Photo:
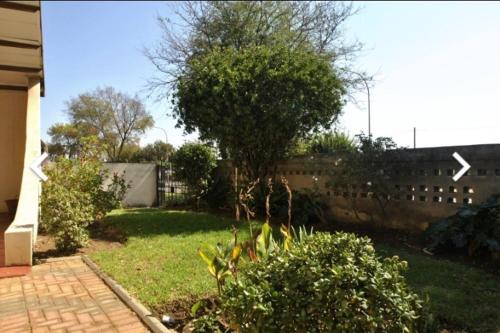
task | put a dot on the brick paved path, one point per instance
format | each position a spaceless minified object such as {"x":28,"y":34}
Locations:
{"x":63,"y":296}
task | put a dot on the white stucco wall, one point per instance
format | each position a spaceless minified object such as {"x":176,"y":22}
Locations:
{"x":142,"y":180}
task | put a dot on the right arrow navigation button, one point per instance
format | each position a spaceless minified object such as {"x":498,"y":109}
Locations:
{"x":465,"y":166}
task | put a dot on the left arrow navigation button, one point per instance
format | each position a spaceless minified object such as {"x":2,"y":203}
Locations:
{"x":35,"y":167}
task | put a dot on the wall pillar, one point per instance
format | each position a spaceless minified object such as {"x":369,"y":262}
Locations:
{"x":21,"y":234}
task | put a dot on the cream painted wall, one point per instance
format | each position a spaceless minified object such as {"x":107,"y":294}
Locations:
{"x":142,"y":180}
{"x":12,"y":142}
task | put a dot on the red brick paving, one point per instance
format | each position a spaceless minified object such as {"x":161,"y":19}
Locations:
{"x":12,"y":271}
{"x":63,"y":296}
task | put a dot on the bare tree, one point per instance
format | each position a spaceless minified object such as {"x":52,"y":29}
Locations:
{"x":200,"y":27}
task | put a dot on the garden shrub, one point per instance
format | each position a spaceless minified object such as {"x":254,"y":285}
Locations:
{"x":325,"y":283}
{"x":73,"y":197}
{"x":207,"y":323}
{"x":474,"y":228}
{"x":193,"y":164}
{"x":220,"y":192}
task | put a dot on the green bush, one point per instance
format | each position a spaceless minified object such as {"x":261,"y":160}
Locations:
{"x":207,"y":323}
{"x":73,"y":197}
{"x":220,"y":193}
{"x":193,"y":164}
{"x":474,"y":228}
{"x":325,"y":283}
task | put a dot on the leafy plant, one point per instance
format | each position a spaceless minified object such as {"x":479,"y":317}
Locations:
{"x":324,"y":283}
{"x":73,"y":197}
{"x":331,"y":143}
{"x":193,"y":164}
{"x":219,"y":193}
{"x":474,"y":228}
{"x":222,"y":261}
{"x":207,"y":323}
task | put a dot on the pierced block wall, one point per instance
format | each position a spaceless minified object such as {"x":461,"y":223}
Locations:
{"x":425,"y":190}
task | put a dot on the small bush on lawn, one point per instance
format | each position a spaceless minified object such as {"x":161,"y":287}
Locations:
{"x":73,"y":197}
{"x":193,"y":164}
{"x":325,"y":283}
{"x":474,"y":228}
{"x":220,"y":193}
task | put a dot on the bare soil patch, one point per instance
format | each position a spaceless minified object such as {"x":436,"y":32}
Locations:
{"x":102,"y":238}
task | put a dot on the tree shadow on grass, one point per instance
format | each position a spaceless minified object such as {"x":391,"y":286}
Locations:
{"x":151,"y":221}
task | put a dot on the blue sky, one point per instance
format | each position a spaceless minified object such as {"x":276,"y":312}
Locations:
{"x":437,"y":66}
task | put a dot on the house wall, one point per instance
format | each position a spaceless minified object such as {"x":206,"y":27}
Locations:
{"x":12,"y":142}
{"x":426,"y":189}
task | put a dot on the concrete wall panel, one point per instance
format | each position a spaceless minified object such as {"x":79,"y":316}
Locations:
{"x":142,"y":180}
{"x":427,"y":193}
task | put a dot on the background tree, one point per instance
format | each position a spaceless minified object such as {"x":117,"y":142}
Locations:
{"x":268,"y":61}
{"x":65,"y":140}
{"x":116,"y":118}
{"x":323,"y":143}
{"x":193,"y":163}
{"x":254,"y":102}
{"x":331,"y":143}
{"x":158,"y":151}
{"x":128,"y":153}
{"x":203,"y":26}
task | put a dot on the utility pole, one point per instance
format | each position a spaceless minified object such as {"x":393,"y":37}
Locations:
{"x":414,"y":137}
{"x":166,"y":157}
{"x":368,"y":95}
{"x":164,"y":132}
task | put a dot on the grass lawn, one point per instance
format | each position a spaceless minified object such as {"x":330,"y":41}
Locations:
{"x":463,"y":296}
{"x":159,"y":262}
{"x":159,"y":265}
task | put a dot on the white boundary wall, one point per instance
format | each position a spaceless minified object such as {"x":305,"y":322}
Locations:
{"x":142,"y":180}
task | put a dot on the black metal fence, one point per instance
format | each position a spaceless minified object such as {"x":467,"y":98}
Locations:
{"x":170,"y":191}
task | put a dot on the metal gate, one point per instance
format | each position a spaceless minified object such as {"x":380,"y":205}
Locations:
{"x":170,"y":191}
{"x":160,"y":185}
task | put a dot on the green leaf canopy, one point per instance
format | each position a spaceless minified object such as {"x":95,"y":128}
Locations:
{"x":255,"y":101}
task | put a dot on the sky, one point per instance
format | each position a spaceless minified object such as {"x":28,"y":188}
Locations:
{"x":436,"y":66}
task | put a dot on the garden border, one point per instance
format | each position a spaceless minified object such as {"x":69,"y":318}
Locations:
{"x":142,"y":312}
